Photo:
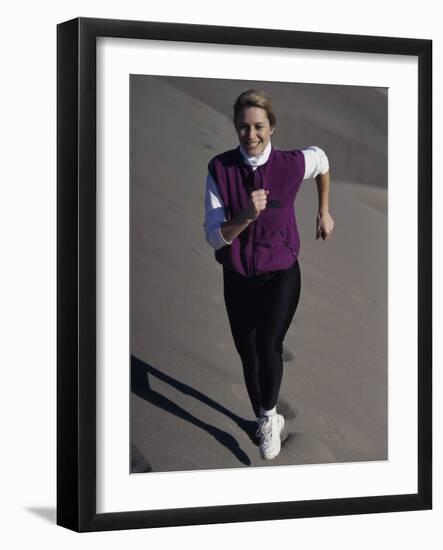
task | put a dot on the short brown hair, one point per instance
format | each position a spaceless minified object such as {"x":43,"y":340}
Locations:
{"x":255,"y":98}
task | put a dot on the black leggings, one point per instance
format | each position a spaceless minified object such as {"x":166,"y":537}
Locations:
{"x":260,"y":310}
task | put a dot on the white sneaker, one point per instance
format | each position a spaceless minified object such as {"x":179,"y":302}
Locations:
{"x":268,"y":431}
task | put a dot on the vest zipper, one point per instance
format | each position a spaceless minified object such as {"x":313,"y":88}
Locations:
{"x":254,"y":263}
{"x":254,"y":259}
{"x":254,"y":229}
{"x":254,"y":248}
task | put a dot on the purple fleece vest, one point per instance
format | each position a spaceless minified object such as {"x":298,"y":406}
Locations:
{"x":272,"y":242}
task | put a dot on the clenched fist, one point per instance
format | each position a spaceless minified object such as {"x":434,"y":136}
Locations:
{"x":325,"y":225}
{"x":257,"y":203}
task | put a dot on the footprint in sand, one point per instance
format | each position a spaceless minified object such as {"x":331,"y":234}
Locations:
{"x":289,"y":411}
{"x":307,"y":449}
{"x":287,"y":355}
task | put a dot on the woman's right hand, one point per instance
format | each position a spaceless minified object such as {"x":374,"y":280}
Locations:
{"x":257,"y":203}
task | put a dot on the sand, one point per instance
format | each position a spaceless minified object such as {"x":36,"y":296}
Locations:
{"x":189,"y":407}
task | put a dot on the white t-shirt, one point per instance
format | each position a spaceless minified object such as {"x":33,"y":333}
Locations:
{"x":316,"y":162}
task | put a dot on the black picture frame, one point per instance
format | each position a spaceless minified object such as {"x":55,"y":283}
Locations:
{"x":76,"y":273}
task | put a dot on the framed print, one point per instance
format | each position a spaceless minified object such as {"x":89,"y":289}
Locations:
{"x":222,"y":355}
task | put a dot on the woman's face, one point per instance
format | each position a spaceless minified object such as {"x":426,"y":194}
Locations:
{"x":253,"y":130}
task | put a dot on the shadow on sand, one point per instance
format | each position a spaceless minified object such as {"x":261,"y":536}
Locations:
{"x":140,"y":372}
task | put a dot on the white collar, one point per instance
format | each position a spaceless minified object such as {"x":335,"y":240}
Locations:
{"x":259,"y":159}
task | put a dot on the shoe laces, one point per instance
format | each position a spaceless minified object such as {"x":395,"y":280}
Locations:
{"x":264,"y":428}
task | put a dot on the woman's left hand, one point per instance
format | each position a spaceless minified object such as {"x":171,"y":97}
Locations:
{"x":325,"y":225}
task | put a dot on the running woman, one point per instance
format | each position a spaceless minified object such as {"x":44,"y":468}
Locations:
{"x":250,"y":223}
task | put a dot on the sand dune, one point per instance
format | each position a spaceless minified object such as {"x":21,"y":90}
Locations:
{"x":189,"y":408}
{"x":350,"y":122}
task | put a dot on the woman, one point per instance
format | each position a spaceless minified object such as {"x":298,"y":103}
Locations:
{"x":250,"y":222}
